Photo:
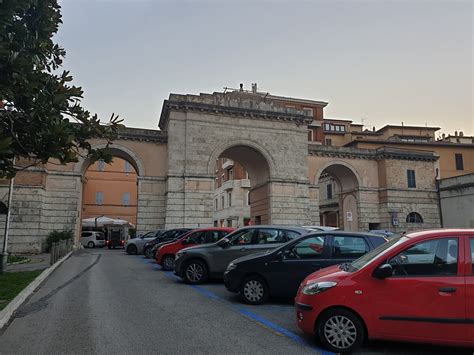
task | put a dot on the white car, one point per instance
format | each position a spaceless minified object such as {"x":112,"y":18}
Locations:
{"x":135,"y":246}
{"x":92,"y":239}
{"x":320,"y":228}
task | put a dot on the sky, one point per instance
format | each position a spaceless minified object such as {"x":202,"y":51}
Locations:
{"x":375,"y":62}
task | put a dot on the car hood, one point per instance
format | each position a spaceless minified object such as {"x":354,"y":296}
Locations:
{"x":252,"y":256}
{"x":331,"y":273}
{"x":198,"y":248}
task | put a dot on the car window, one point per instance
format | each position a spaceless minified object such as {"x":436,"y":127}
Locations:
{"x":430,"y":258}
{"x":195,"y":238}
{"x":222,"y":234}
{"x":345,"y":246}
{"x":290,"y":235}
{"x":309,"y":248}
{"x":86,"y":234}
{"x":271,"y":236}
{"x":242,"y":237}
{"x":472,"y":253}
{"x":212,"y":236}
{"x":99,"y":236}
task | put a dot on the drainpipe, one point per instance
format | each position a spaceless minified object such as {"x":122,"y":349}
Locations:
{"x":438,"y":193}
{"x":4,"y":255}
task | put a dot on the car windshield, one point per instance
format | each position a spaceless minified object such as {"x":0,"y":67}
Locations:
{"x":380,"y":250}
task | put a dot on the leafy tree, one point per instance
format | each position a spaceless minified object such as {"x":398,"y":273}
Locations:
{"x":41,"y":117}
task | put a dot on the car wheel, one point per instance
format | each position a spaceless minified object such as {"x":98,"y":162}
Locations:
{"x":132,"y":249}
{"x":340,"y":330}
{"x":168,"y":262}
{"x":254,"y":290}
{"x":148,"y":252}
{"x":90,"y":245}
{"x":195,"y":272}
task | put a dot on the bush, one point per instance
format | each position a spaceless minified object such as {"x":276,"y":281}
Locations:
{"x":56,"y":236}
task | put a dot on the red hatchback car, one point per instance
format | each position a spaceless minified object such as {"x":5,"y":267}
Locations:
{"x":165,"y":255}
{"x":417,"y":287}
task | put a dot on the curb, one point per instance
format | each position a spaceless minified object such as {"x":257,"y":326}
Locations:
{"x":15,"y":303}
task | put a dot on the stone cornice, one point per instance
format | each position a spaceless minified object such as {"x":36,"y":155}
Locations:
{"x":141,"y":134}
{"x":371,"y":154}
{"x":239,"y":108}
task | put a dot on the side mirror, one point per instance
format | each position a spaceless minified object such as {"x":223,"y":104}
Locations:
{"x":383,"y":271}
{"x":280,"y":255}
{"x":223,"y":243}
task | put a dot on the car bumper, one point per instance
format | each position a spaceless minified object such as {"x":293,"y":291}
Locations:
{"x":233,"y":280}
{"x":307,"y":311}
{"x":179,"y":267}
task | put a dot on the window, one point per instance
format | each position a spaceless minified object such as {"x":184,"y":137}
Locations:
{"x":308,"y":112}
{"x":328,"y":141}
{"x":217,"y":201}
{"x":229,"y":201}
{"x":349,"y":247}
{"x":243,"y":237}
{"x":472,"y":253}
{"x":329,"y":191}
{"x":99,"y":198}
{"x":229,"y":222}
{"x":223,"y":178}
{"x":270,"y":236}
{"x":222,"y":201}
{"x":248,"y":198}
{"x":86,"y":234}
{"x":411,"y":178}
{"x":310,"y":248}
{"x":414,"y":217}
{"x":126,"y":198}
{"x":195,"y":238}
{"x":101,"y":165}
{"x":310,"y":135}
{"x":431,"y":258}
{"x":459,"y":162}
{"x":327,"y":127}
{"x":128,"y":167}
{"x":231,"y":174}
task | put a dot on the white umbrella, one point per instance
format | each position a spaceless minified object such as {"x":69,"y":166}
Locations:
{"x":105,"y":221}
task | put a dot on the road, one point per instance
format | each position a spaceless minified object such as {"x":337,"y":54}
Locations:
{"x":103,"y":301}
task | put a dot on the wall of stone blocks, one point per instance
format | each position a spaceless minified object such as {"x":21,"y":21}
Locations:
{"x":151,"y":211}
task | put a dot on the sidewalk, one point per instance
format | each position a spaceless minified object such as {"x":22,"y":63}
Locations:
{"x":38,"y":262}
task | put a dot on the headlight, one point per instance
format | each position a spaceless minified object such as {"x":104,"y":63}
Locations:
{"x":231,"y":266}
{"x":179,"y":254}
{"x":318,"y":287}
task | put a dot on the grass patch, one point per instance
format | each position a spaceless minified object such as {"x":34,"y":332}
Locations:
{"x":12,"y":283}
{"x":15,"y":259}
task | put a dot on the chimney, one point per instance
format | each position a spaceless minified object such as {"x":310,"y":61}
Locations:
{"x":241,"y":87}
{"x":373,"y":128}
{"x":455,"y":133}
{"x":254,"y":88}
{"x":461,"y":134}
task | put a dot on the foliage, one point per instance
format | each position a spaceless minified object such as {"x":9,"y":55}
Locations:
{"x":41,"y":117}
{"x":56,"y":236}
{"x":16,"y":258}
{"x":12,"y":283}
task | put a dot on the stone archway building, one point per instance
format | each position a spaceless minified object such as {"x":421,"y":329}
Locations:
{"x":176,"y":167}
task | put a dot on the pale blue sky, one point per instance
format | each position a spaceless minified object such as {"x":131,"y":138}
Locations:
{"x":384,"y":61}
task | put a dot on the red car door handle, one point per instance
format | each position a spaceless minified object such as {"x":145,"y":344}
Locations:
{"x":447,"y":289}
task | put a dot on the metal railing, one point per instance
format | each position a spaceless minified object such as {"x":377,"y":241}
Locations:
{"x":59,"y":249}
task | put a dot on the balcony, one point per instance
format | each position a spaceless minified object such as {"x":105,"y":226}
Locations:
{"x":227,"y":164}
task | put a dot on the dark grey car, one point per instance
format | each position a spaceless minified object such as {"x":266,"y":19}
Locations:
{"x":196,"y":264}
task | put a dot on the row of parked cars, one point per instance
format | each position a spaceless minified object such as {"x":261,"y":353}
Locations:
{"x":347,"y":286}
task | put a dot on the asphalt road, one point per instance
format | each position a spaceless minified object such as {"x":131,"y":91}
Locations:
{"x":104,"y":301}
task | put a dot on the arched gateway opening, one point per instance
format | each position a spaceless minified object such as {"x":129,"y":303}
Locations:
{"x":241,"y":191}
{"x":338,"y":196}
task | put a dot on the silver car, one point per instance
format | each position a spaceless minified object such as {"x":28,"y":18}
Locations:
{"x":135,"y":246}
{"x":92,"y":239}
{"x":196,"y":264}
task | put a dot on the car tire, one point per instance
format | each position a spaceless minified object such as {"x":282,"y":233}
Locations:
{"x":195,"y":272}
{"x":340,"y":330}
{"x":132,"y":249}
{"x":90,"y":245}
{"x":148,"y":252}
{"x":167,"y":263}
{"x":254,"y":290}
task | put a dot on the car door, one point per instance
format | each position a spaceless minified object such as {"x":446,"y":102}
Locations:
{"x":85,"y":238}
{"x":240,"y":245}
{"x":470,"y":289}
{"x":424,"y":299}
{"x":285,"y":273}
{"x":346,"y":248}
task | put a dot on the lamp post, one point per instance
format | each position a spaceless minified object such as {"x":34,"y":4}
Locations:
{"x":4,"y":254}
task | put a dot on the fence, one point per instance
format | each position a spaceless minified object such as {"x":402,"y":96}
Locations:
{"x":59,"y":249}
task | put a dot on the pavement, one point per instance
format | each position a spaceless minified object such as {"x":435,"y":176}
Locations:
{"x":38,"y":262}
{"x":102,"y":301}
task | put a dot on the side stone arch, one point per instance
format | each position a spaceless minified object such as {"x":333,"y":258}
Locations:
{"x":116,"y":150}
{"x":334,"y":163}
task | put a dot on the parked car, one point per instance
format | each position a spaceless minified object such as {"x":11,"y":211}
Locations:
{"x":166,"y":236}
{"x":92,"y":239}
{"x":165,"y":255}
{"x":135,"y":246}
{"x":417,"y":287}
{"x":279,"y":273}
{"x":320,"y":228}
{"x":196,"y":264}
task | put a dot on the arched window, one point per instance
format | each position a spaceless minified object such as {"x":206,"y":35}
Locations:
{"x":414,"y":217}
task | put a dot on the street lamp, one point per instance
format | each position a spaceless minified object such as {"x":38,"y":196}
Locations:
{"x":4,"y":254}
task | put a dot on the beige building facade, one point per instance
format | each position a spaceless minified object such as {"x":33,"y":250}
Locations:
{"x":385,"y":188}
